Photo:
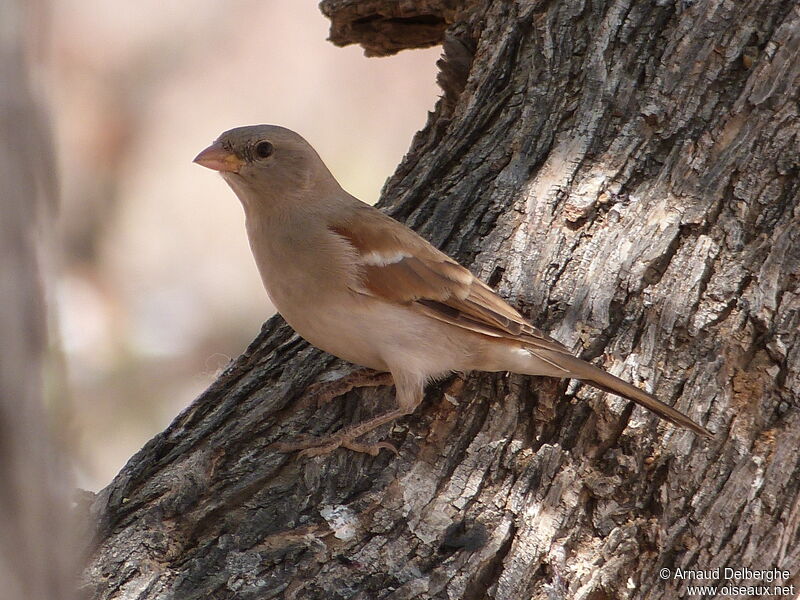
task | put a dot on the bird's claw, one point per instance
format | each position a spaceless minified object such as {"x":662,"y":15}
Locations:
{"x":315,"y":446}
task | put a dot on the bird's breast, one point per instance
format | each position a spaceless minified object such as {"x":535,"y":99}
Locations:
{"x":309,"y":276}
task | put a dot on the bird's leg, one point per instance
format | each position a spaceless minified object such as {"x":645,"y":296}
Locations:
{"x":409,"y":395}
{"x":346,"y":438}
{"x":325,"y":391}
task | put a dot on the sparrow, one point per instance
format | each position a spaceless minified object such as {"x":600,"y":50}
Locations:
{"x":360,"y":285}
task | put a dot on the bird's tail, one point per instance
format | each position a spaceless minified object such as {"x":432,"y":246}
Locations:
{"x":583,"y":371}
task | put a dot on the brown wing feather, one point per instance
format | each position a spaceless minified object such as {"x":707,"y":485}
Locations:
{"x":431,"y":282}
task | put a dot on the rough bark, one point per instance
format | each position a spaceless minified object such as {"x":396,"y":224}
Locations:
{"x":626,"y":173}
{"x":383,"y":28}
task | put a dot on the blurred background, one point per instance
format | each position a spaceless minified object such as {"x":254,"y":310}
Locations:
{"x":157,"y":290}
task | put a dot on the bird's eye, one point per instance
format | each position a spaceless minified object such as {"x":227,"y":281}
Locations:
{"x":263,"y":149}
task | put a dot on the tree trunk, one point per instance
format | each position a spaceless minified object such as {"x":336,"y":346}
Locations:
{"x":625,"y":173}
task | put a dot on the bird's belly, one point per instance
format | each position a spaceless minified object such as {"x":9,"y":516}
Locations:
{"x":381,"y":336}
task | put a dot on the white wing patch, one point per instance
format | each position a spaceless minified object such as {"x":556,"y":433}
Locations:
{"x":377,"y":259}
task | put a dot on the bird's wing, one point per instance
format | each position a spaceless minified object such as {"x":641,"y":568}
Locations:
{"x":399,"y":266}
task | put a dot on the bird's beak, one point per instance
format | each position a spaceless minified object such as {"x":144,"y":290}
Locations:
{"x":217,"y":158}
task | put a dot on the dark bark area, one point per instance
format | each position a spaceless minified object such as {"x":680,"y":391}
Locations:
{"x":384,"y":28}
{"x":626,"y":174}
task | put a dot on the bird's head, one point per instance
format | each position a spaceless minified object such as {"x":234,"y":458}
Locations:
{"x":266,"y":164}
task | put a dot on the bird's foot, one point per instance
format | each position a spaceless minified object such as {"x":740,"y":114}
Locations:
{"x":323,"y":392}
{"x":311,"y":446}
{"x":346,"y":438}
